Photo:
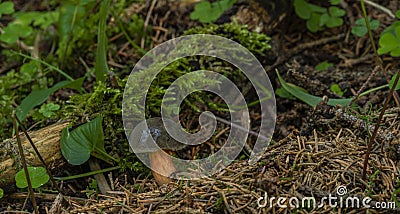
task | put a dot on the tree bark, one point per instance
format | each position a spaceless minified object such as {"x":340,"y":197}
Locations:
{"x":46,"y":140}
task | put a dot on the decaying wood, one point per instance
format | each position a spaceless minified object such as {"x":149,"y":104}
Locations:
{"x":47,"y":141}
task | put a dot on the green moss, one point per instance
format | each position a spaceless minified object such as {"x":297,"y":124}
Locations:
{"x":257,"y":43}
{"x":107,"y":101}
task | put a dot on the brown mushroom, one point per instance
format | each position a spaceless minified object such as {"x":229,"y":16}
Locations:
{"x":155,"y":141}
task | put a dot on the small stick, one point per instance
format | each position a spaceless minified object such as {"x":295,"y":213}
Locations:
{"x":372,"y":139}
{"x":23,"y":161}
{"x":38,"y":154}
{"x":373,"y":73}
{"x":380,"y":7}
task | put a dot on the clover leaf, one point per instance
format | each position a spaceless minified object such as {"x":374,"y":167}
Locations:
{"x":390,"y":42}
{"x":313,"y":23}
{"x":360,"y":28}
{"x":305,"y":10}
{"x":323,"y":66}
{"x":317,"y":17}
{"x":48,"y":110}
{"x":332,"y":19}
{"x":6,"y":8}
{"x":14,"y":31}
{"x":38,"y":176}
{"x":335,"y":88}
{"x":207,"y":12}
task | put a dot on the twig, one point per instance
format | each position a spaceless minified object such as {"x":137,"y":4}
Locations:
{"x":101,"y":180}
{"x":23,"y":161}
{"x":380,"y":7}
{"x":39,"y":155}
{"x":372,"y":139}
{"x":373,"y":73}
{"x":146,"y":21}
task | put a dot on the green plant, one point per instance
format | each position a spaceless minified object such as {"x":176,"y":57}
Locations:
{"x":389,"y":40}
{"x":335,"y":88}
{"x":371,"y":182}
{"x":1,"y":193}
{"x":47,"y":110}
{"x":207,"y":12}
{"x":323,"y":66}
{"x":38,"y":177}
{"x":38,"y":97}
{"x":92,"y":189}
{"x":360,"y":28}
{"x":317,"y":17}
{"x":308,"y":98}
{"x":86,"y":140}
{"x":22,"y":25}
{"x":77,"y":27}
{"x":281,"y":92}
{"x":312,"y":100}
{"x":391,"y":83}
{"x":101,"y":66}
{"x":6,"y":8}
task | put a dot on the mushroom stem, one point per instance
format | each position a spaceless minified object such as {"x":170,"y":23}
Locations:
{"x":161,"y":164}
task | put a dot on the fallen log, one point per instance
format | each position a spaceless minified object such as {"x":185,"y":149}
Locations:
{"x":46,"y":140}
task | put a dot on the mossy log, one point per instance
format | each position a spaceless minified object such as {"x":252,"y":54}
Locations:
{"x":46,"y":140}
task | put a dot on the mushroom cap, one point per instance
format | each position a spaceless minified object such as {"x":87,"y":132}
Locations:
{"x":155,"y":137}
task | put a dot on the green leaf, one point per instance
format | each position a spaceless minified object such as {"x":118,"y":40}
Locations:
{"x":14,"y":31}
{"x":1,"y":192}
{"x":313,"y":23}
{"x":323,"y":66}
{"x":335,"y":88}
{"x":336,"y":12}
{"x":374,"y":24}
{"x":76,"y":84}
{"x":335,"y":2}
{"x":332,"y":19}
{"x":284,"y":94}
{"x":38,"y":176}
{"x":46,"y":19}
{"x":391,"y":83}
{"x":38,"y":97}
{"x":360,"y":27}
{"x":68,"y":10}
{"x":301,"y":8}
{"x":206,"y":12}
{"x":6,"y":8}
{"x":323,"y":19}
{"x":308,"y":98}
{"x":26,"y":18}
{"x":47,"y":110}
{"x":334,"y":22}
{"x":398,"y":14}
{"x":316,"y":8}
{"x":101,"y":66}
{"x":390,"y":42}
{"x":76,"y":146}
